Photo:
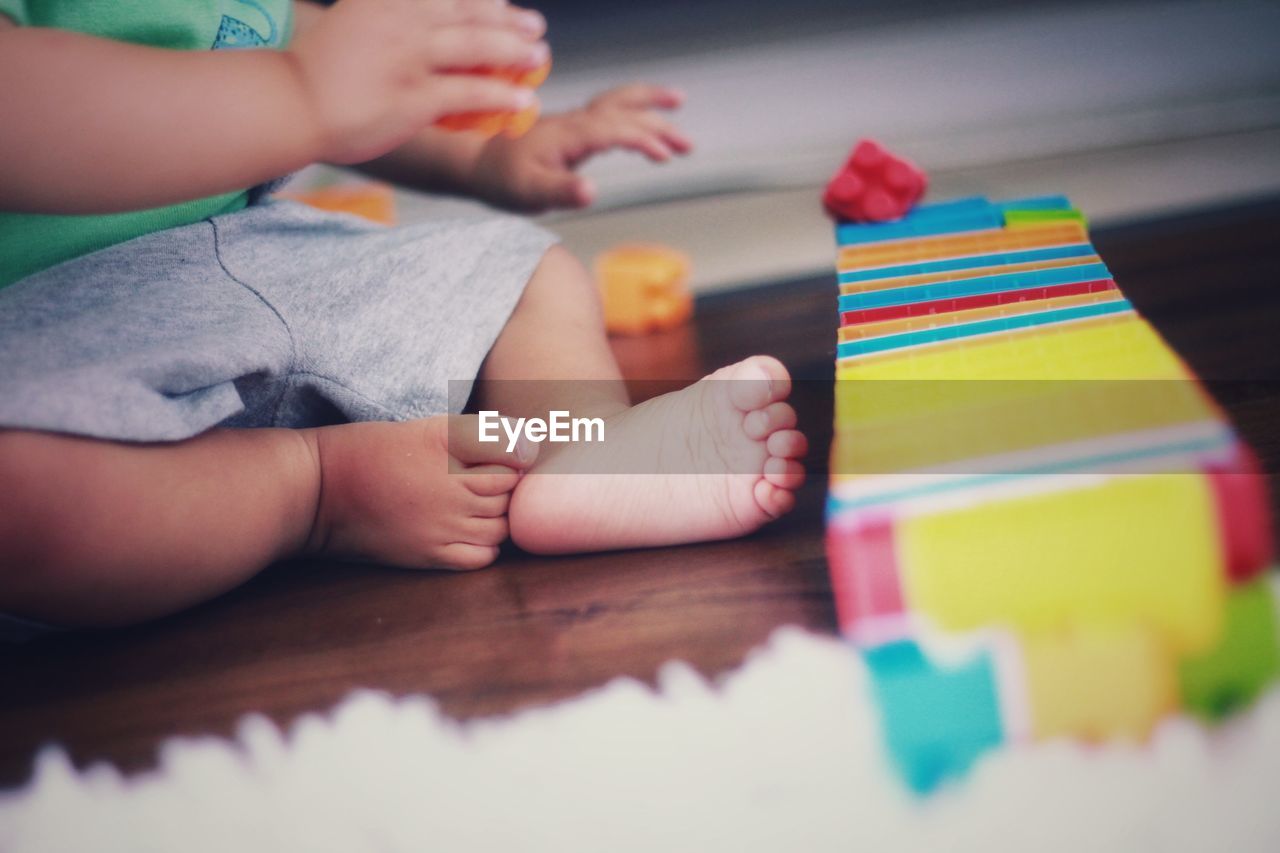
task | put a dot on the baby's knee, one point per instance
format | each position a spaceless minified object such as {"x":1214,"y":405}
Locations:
{"x":561,"y":275}
{"x":560,"y":291}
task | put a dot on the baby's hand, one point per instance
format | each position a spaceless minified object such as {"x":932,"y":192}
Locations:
{"x":411,"y":494}
{"x":375,"y":72}
{"x":536,"y":171}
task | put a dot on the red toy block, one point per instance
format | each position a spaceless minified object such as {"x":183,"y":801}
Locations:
{"x":1244,"y":522}
{"x":962,"y":303}
{"x":874,"y":185}
{"x":864,"y":572}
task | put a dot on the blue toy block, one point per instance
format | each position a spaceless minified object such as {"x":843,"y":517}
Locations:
{"x":937,"y":721}
{"x":950,"y":209}
{"x":934,"y":224}
{"x":973,"y":213}
{"x":964,"y":205}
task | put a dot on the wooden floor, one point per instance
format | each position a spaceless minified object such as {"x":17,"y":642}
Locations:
{"x":530,"y":629}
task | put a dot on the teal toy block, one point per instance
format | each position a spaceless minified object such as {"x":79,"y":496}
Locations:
{"x":937,"y":721}
{"x":973,"y":213}
{"x":1039,"y":202}
{"x":932,"y":220}
{"x":983,"y":327}
{"x":1049,"y":253}
{"x":954,"y":209}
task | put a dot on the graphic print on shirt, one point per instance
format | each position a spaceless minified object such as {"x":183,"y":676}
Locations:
{"x":235,"y":33}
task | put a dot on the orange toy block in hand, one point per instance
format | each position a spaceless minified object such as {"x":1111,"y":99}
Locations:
{"x":645,"y":288}
{"x":491,"y":124}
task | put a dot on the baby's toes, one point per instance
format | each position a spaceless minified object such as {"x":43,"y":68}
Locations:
{"x":485,"y":531}
{"x":762,"y":423}
{"x":757,"y":382}
{"x":464,"y":556}
{"x":773,"y":500}
{"x":489,"y":480}
{"x":489,"y":506}
{"x":783,"y":473}
{"x":787,"y":444}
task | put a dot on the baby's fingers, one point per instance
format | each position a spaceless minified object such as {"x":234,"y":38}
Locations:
{"x":493,"y":13}
{"x":670,"y":135}
{"x":636,"y":134}
{"x":648,"y":144}
{"x":606,"y":134}
{"x":551,"y":187}
{"x":464,"y":47}
{"x":639,"y":96}
{"x":449,"y":94}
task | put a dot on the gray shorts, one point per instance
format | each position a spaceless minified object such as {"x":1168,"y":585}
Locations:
{"x":279,"y":315}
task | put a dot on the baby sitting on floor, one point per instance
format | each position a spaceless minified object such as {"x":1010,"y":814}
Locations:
{"x":197,"y":380}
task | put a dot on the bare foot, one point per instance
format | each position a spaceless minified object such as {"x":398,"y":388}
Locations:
{"x":405,"y":494}
{"x":720,"y":460}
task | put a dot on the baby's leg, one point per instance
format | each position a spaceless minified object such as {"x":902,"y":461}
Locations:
{"x":104,"y":533}
{"x":101,"y":533}
{"x":555,"y":333}
{"x":712,"y":461}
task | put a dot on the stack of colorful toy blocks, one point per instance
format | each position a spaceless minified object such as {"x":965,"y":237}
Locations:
{"x":1039,"y":524}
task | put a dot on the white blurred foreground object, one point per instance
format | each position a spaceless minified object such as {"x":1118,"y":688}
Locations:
{"x":783,"y":754}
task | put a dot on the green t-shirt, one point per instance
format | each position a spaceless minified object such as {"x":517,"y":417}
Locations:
{"x":32,"y":242}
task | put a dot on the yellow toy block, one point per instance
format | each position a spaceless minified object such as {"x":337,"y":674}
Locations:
{"x":913,"y":426}
{"x":1043,"y":432}
{"x":1098,"y":684}
{"x":1129,"y":550}
{"x":991,"y":396}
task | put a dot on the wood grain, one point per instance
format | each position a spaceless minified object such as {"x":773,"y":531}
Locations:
{"x":530,"y":630}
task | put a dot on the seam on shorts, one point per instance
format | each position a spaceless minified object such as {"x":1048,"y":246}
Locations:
{"x":293,"y":343}
{"x":293,"y":347}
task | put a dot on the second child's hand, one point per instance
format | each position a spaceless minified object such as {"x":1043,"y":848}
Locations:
{"x":538,"y":171}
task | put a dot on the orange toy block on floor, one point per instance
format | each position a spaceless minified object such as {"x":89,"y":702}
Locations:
{"x":645,"y":288}
{"x":491,"y":124}
{"x":874,"y":185}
